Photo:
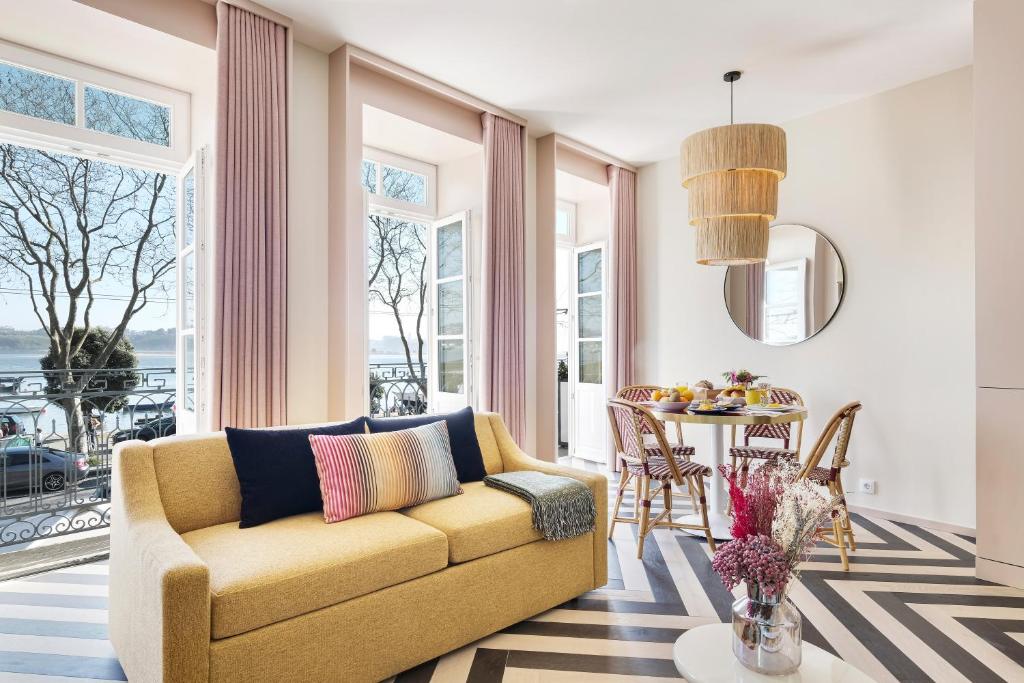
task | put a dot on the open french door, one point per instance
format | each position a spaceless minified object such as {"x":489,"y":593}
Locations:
{"x":588,"y":439}
{"x":449,"y":373}
{"x":192,"y":220}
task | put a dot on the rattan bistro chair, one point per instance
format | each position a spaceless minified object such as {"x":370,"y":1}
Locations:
{"x":651,"y":469}
{"x":638,"y":393}
{"x":839,"y":427}
{"x":743,"y":455}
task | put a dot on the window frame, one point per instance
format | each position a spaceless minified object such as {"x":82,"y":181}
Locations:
{"x":81,"y":141}
{"x":190,"y":420}
{"x":382,"y":201}
{"x":468,"y":394}
{"x":575,"y":337}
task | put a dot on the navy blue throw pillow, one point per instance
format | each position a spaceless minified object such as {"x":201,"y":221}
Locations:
{"x":277,"y":472}
{"x":469,"y":461}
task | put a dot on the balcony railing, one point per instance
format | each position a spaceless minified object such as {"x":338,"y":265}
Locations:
{"x":395,"y":390}
{"x":57,"y":431}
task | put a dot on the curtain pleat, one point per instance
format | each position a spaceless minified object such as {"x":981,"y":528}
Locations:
{"x":504,"y":345}
{"x":622,"y":185}
{"x":250,"y":262}
{"x":623,"y":331}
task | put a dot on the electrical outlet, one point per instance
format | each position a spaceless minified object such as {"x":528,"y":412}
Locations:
{"x":866,"y":486}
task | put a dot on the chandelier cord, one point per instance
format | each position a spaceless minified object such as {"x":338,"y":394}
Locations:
{"x":731,"y":122}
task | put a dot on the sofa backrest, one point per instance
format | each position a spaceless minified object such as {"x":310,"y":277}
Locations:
{"x":198,"y":486}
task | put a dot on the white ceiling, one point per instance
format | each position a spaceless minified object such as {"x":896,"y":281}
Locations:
{"x":633,"y":78}
{"x":398,"y":135}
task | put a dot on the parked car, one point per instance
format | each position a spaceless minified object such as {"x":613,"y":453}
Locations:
{"x":39,"y":467}
{"x":11,"y":426}
{"x":161,"y":426}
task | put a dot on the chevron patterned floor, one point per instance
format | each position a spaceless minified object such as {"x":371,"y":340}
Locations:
{"x":910,"y":609}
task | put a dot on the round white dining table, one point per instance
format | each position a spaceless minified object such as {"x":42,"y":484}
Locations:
{"x":717,"y":497}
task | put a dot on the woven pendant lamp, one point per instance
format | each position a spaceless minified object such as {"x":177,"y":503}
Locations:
{"x":732,"y":175}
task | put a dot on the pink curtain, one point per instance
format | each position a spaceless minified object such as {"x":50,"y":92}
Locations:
{"x":755,"y":300}
{"x":250,"y":263}
{"x":504,"y":344}
{"x":623,"y":330}
{"x":622,"y":184}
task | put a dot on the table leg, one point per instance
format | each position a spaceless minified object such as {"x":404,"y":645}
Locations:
{"x":715,"y":489}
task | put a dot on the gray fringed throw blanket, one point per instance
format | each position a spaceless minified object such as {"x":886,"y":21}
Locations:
{"x":562,"y":507}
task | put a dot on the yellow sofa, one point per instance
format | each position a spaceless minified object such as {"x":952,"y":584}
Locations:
{"x":195,"y":598}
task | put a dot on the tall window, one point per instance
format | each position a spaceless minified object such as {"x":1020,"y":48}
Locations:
{"x":418,"y":287}
{"x":400,"y":211}
{"x":89,"y":193}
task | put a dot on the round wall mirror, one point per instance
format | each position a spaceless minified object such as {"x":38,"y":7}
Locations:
{"x":792,"y":295}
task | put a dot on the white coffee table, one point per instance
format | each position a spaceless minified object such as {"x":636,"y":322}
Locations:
{"x":704,"y":655}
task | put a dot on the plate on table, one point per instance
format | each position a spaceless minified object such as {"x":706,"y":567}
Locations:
{"x":718,"y":409}
{"x":773,"y":408}
{"x":668,"y":406}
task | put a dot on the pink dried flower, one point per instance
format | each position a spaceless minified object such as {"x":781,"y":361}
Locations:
{"x":755,"y":559}
{"x":776,"y":515}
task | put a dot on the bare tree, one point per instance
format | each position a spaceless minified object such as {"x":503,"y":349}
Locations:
{"x":398,"y":281}
{"x":398,"y":264}
{"x":75,"y":231}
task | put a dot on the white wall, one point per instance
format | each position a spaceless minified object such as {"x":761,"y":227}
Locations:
{"x":307,"y":238}
{"x":889,"y":179}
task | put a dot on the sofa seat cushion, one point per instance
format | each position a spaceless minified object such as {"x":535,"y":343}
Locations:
{"x":292,"y":566}
{"x":480,"y":522}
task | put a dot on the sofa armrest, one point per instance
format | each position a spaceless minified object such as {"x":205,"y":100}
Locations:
{"x":514,"y":459}
{"x":159,"y":587}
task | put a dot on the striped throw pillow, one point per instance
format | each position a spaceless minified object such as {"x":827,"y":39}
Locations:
{"x":364,"y":473}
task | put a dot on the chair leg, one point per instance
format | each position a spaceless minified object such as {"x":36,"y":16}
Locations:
{"x":849,"y":530}
{"x":623,"y":483}
{"x":693,"y":495}
{"x":645,"y":516}
{"x":704,"y":511}
{"x":666,"y":490}
{"x":837,"y":530}
{"x":636,"y":497}
{"x":847,"y":522}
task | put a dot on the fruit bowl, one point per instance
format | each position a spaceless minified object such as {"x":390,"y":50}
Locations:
{"x":670,"y":406}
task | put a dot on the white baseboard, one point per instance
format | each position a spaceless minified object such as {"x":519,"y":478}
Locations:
{"x":908,"y":519}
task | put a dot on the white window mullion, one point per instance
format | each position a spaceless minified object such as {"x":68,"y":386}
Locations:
{"x":79,"y":104}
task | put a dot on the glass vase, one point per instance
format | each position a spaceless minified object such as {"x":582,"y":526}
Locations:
{"x":766,"y":634}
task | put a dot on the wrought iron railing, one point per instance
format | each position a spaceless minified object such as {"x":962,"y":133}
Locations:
{"x":395,"y":389}
{"x":57,"y":432}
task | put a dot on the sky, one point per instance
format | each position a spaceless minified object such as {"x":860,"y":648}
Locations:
{"x":16,"y":312}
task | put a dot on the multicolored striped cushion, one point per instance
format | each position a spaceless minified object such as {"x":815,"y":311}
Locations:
{"x":364,"y":473}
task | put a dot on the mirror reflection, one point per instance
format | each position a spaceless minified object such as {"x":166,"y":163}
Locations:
{"x":792,"y":295}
